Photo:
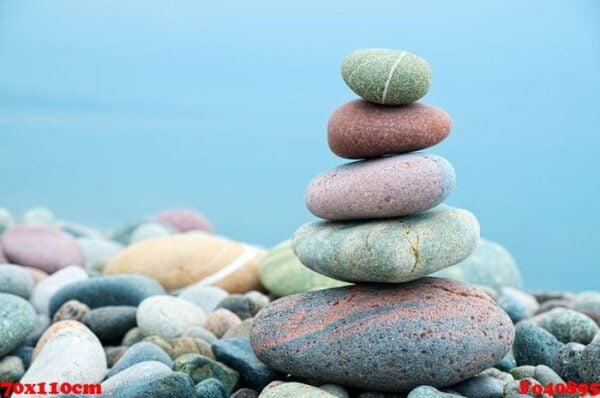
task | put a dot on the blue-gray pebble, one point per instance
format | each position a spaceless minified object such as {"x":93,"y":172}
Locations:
{"x":480,"y":387}
{"x":141,"y":352}
{"x":111,"y":323}
{"x":210,"y":388}
{"x":175,"y":385}
{"x":534,"y":345}
{"x":566,"y":361}
{"x":17,"y":319}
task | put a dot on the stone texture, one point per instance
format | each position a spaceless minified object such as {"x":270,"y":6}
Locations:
{"x":174,"y":385}
{"x":16,"y":280}
{"x":534,"y":345}
{"x":566,"y":361}
{"x":220,"y":321}
{"x":295,"y":390}
{"x":168,"y":316}
{"x":140,"y":373}
{"x":390,"y":186}
{"x":384,"y":337}
{"x":71,"y":310}
{"x":180,"y":260}
{"x":46,"y":248}
{"x":11,"y":369}
{"x":97,"y":252}
{"x":360,"y":129}
{"x":184,"y":220}
{"x":567,"y":325}
{"x":211,"y":388}
{"x":589,"y":364}
{"x":480,"y":387}
{"x":200,"y":368}
{"x":395,"y":250}
{"x":517,"y":304}
{"x":205,"y":297}
{"x":384,"y":76}
{"x":141,"y":352}
{"x":45,"y":289}
{"x":111,"y":323}
{"x":17,"y":319}
{"x":181,"y":346}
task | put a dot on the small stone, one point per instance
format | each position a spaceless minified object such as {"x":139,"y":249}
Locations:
{"x":97,"y":252}
{"x":238,"y":355}
{"x":513,"y":389}
{"x":149,"y":230}
{"x":205,"y":297}
{"x":25,"y":353}
{"x":498,"y":374}
{"x":258,"y":300}
{"x":110,"y":323}
{"x":506,"y":364}
{"x":39,"y":216}
{"x":140,"y":373}
{"x":335,"y":390}
{"x":480,"y":387}
{"x":200,"y":368}
{"x":295,"y":390}
{"x":71,"y":310}
{"x":46,"y":248}
{"x":523,"y":372}
{"x":221,"y":321}
{"x":552,"y":304}
{"x":386,"y":187}
{"x":589,"y":364}
{"x":534,"y":345}
{"x":211,"y":388}
{"x":16,"y":280}
{"x":11,"y":369}
{"x":37,"y":274}
{"x":388,"y":77}
{"x":168,"y":316}
{"x":589,"y":304}
{"x":566,"y":361}
{"x":134,"y":335}
{"x":174,"y":385}
{"x":567,"y":325}
{"x":184,"y":220}
{"x":238,"y":304}
{"x":45,"y":289}
{"x":201,"y":333}
{"x":181,"y":346}
{"x":113,"y":354}
{"x":141,"y":352}
{"x":429,"y":392}
{"x":17,"y":320}
{"x":245,"y":393}
{"x":241,"y":330}
{"x":517,"y":304}
{"x":547,"y":376}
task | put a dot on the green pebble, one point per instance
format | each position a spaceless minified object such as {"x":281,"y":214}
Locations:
{"x":17,"y":319}
{"x":200,"y":368}
{"x":210,"y":388}
{"x":523,"y":372}
{"x":388,"y":77}
{"x":568,"y":325}
{"x":175,"y":385}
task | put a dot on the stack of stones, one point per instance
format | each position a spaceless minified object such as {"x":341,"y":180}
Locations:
{"x":385,"y":230}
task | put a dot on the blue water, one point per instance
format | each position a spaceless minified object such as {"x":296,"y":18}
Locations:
{"x":111,"y":110}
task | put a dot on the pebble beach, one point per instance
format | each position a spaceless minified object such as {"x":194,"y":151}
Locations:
{"x":389,"y":293}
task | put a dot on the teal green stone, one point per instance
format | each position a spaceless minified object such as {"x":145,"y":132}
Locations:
{"x":295,"y":390}
{"x":387,"y":77}
{"x":17,"y":319}
{"x":568,"y":326}
{"x":491,"y":264}
{"x":200,"y":368}
{"x":429,"y":392}
{"x":283,"y":274}
{"x":210,"y":388}
{"x":390,"y":250}
{"x":175,"y":385}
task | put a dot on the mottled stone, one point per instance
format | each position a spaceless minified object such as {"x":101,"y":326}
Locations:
{"x":567,"y":325}
{"x":506,"y":364}
{"x":46,"y":248}
{"x":181,"y":346}
{"x":168,"y":316}
{"x":589,"y":363}
{"x":394,"y":250}
{"x":238,"y":355}
{"x":388,"y":77}
{"x":200,"y":368}
{"x":566,"y":361}
{"x":491,"y":264}
{"x":143,"y":372}
{"x":141,"y":352}
{"x":174,"y":385}
{"x":11,"y":369}
{"x":16,"y":280}
{"x":335,"y":390}
{"x":205,"y":297}
{"x":111,"y":323}
{"x":517,"y":304}
{"x":385,"y":187}
{"x":184,"y":220}
{"x":245,"y":393}
{"x":54,"y":329}
{"x":238,"y":304}
{"x":480,"y":387}
{"x":547,"y":376}
{"x":282,"y":273}
{"x":523,"y":372}
{"x":133,"y":335}
{"x":429,"y":392}
{"x":384,"y":337}
{"x":534,"y":345}
{"x":241,"y":330}
{"x":194,"y":258}
{"x":45,"y":289}
{"x":17,"y":319}
{"x":505,"y":377}
{"x":295,"y":390}
{"x":589,"y":304}
{"x":107,"y":290}
{"x":360,"y":129}
{"x":258,"y":300}
{"x":71,"y":310}
{"x":220,"y":321}
{"x":211,"y":388}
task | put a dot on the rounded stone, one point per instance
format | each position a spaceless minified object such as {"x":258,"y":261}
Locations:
{"x":335,"y":390}
{"x":11,"y":369}
{"x":395,"y":250}
{"x":201,"y":333}
{"x":16,"y":280}
{"x":205,"y":297}
{"x":566,"y":361}
{"x":143,"y":372}
{"x":589,"y":304}
{"x":194,"y":258}
{"x":200,"y":368}
{"x":360,"y":129}
{"x":184,"y":220}
{"x":110,"y":323}
{"x":17,"y":319}
{"x":98,"y":252}
{"x":384,"y":337}
{"x":534,"y":345}
{"x":480,"y":387}
{"x":46,"y":248}
{"x":39,"y":216}
{"x":518,"y":304}
{"x":211,"y":388}
{"x":429,"y":392}
{"x":174,"y":385}
{"x":490,"y":264}
{"x":168,"y":316}
{"x":258,"y":300}
{"x":181,"y":346}
{"x":71,"y":310}
{"x":589,"y":364}
{"x":567,"y":325}
{"x":141,"y":352}
{"x":106,"y":291}
{"x":245,"y":393}
{"x":282,"y":273}
{"x":388,"y":77}
{"x":45,"y":289}
{"x":220,"y":321}
{"x":241,"y":330}
{"x":149,"y":230}
{"x":296,"y":390}
{"x":390,"y":186}
{"x":114,"y":353}
{"x":238,"y":304}
{"x":134,"y":335}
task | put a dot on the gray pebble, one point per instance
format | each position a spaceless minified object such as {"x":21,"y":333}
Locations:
{"x":589,"y":365}
{"x":566,"y":361}
{"x":480,"y":387}
{"x":534,"y":345}
{"x":16,"y":280}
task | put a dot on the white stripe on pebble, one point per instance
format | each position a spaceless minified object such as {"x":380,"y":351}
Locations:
{"x":389,"y":79}
{"x":248,"y":254}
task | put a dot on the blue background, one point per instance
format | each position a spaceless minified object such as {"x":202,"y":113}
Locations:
{"x":110,"y":110}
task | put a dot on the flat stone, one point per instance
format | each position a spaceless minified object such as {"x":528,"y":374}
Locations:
{"x":140,"y":373}
{"x":174,"y":385}
{"x":45,"y":289}
{"x":16,"y":280}
{"x":384,"y":337}
{"x":394,"y":250}
{"x":111,"y":323}
{"x":141,"y":352}
{"x":168,"y":316}
{"x":360,"y":129}
{"x":17,"y":319}
{"x":385,"y":187}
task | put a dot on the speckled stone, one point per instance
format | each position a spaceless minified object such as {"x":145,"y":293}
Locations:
{"x":46,"y":248}
{"x":566,"y":361}
{"x":17,"y":319}
{"x":295,"y":390}
{"x":505,"y":377}
{"x":184,"y":220}
{"x":390,"y":186}
{"x":589,"y":364}
{"x":491,"y":264}
{"x":567,"y":325}
{"x":258,"y":301}
{"x":395,"y":250}
{"x":283,"y":274}
{"x":534,"y":345}
{"x":143,"y":372}
{"x":480,"y":387}
{"x":168,"y":316}
{"x":245,"y":393}
{"x":523,"y":372}
{"x":238,"y":355}
{"x":107,"y":290}
{"x":238,"y":304}
{"x":141,"y":352}
{"x":220,"y":321}
{"x":111,"y":323}
{"x":16,"y":280}
{"x":11,"y":368}
{"x":360,"y":129}
{"x":589,"y":304}
{"x":211,"y":388}
{"x":45,"y":289}
{"x":181,"y":346}
{"x":71,"y":310}
{"x":174,"y":385}
{"x":506,"y":364}
{"x":200,"y":368}
{"x":429,"y":392}
{"x":411,"y":331}
{"x":180,"y":260}
{"x":546,"y":376}
{"x":518,"y":304}
{"x":205,"y":297}
{"x":384,"y":76}
{"x":335,"y":390}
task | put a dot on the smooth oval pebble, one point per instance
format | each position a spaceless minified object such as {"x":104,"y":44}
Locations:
{"x":384,"y":337}
{"x":205,"y":297}
{"x":46,"y":248}
{"x":17,"y":319}
{"x":283,"y":274}
{"x":394,"y":250}
{"x":140,"y":352}
{"x":110,"y":323}
{"x":45,"y":289}
{"x":16,"y":280}
{"x":389,"y":77}
{"x":98,"y":252}
{"x":194,"y":258}
{"x":360,"y":129}
{"x":168,"y":316}
{"x":107,"y":290}
{"x":567,"y":325}
{"x":295,"y":390}
{"x":142,"y":372}
{"x":149,"y":230}
{"x":174,"y":385}
{"x":385,"y":187}
{"x":184,"y":220}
